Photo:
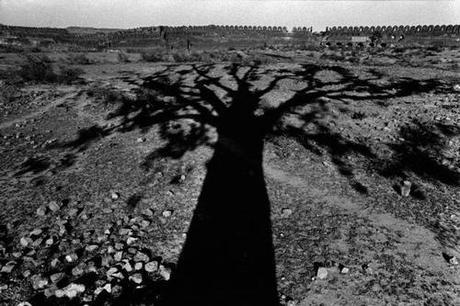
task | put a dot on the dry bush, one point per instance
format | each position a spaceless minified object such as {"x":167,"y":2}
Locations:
{"x":123,"y":57}
{"x":152,"y":56}
{"x":80,"y":59}
{"x":104,"y":94}
{"x":11,"y":49}
{"x":335,"y":56}
{"x":68,"y":75}
{"x":40,"y":69}
{"x":8,"y":92}
{"x":310,"y":47}
{"x":182,"y":57}
{"x":36,"y":50}
{"x":135,"y":50}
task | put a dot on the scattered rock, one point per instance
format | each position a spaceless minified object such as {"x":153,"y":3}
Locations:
{"x":71,"y":257}
{"x":91,"y":248}
{"x":8,"y":267}
{"x":106,"y":261}
{"x":71,"y":291}
{"x":107,"y":288}
{"x":118,"y":275}
{"x":367,"y":268}
{"x":36,"y":232}
{"x":111,"y":271}
{"x":49,"y":292}
{"x":145,"y":223}
{"x":165,"y":272}
{"x":114,"y":195}
{"x":140,"y":139}
{"x":54,"y":263}
{"x":117,"y":290}
{"x":124,"y":231}
{"x":151,"y":266}
{"x":53,"y":206}
{"x":136,"y":278}
{"x":24,"y":241}
{"x":39,"y":282}
{"x":26,"y":273}
{"x":344,"y":270}
{"x":452,"y":260}
{"x":78,"y":270}
{"x":405,"y":188}
{"x":286,"y":212}
{"x":138,"y":266}
{"x":321,"y":273}
{"x":128,"y":267}
{"x":118,"y":256}
{"x":166,"y":213}
{"x":132,"y":251}
{"x":456,"y":87}
{"x":49,"y":241}
{"x":56,"y":277}
{"x":141,"y":257}
{"x":291,"y":303}
{"x":148,"y":212}
{"x":41,"y":211}
{"x":72,"y":212}
{"x":131,"y":240}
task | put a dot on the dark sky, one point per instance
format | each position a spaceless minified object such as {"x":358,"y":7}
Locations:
{"x":134,"y":13}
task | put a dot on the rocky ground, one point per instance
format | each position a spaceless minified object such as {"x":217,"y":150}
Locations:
{"x":362,"y":173}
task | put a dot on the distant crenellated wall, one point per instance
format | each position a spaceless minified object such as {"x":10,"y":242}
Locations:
{"x":412,"y":30}
{"x":219,"y":30}
{"x":165,"y":35}
{"x":59,"y":35}
{"x":402,"y":34}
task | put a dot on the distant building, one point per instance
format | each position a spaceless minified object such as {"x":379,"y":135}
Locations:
{"x":360,"y":39}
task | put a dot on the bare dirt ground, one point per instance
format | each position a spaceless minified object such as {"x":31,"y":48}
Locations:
{"x":303,"y":160}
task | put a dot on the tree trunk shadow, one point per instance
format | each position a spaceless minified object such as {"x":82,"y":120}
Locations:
{"x":228,"y":256}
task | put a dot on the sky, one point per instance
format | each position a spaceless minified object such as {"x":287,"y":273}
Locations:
{"x":136,"y":13}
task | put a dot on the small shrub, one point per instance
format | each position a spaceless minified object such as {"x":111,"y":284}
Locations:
{"x":135,"y":50}
{"x":37,"y":69}
{"x":8,"y":92}
{"x":152,"y":56}
{"x":261,"y":60}
{"x":80,"y":59}
{"x":181,"y":57}
{"x":435,"y":48}
{"x":35,"y":50}
{"x":68,"y":75}
{"x":358,"y":115}
{"x":311,"y":47}
{"x":11,"y":49}
{"x":123,"y":57}
{"x":106,"y":95}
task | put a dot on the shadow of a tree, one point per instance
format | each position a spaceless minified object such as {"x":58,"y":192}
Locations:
{"x":420,"y":153}
{"x":228,"y":256}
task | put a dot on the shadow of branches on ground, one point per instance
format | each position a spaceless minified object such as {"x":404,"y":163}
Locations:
{"x":228,"y":256}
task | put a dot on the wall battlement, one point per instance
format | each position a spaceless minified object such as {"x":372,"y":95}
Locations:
{"x":154,"y":35}
{"x":404,"y":29}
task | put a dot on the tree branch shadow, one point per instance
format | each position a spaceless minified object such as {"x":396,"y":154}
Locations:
{"x":228,"y":256}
